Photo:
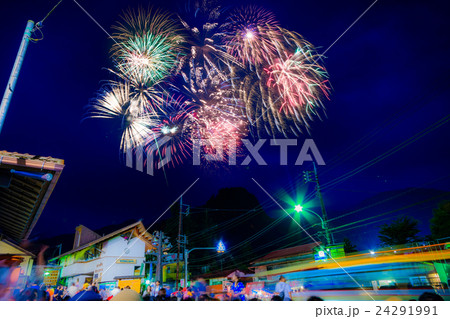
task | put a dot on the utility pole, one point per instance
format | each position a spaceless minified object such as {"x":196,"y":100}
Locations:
{"x":185,"y":261}
{"x":158,"y":276}
{"x":162,"y":244}
{"x":15,"y":72}
{"x":181,"y":242}
{"x":308,"y":178}
{"x":180,"y":220}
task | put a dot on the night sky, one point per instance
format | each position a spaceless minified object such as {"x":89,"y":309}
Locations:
{"x":390,"y":78}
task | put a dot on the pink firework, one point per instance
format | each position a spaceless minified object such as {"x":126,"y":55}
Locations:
{"x":220,"y":128}
{"x":299,"y":80}
{"x":251,"y":35}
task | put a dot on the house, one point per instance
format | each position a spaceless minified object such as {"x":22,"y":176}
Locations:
{"x":116,"y":259}
{"x":284,"y":257}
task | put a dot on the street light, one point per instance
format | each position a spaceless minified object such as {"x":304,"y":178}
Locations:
{"x":300,"y":208}
{"x":220,"y":248}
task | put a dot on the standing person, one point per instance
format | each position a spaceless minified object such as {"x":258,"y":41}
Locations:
{"x":90,"y":294}
{"x":103,"y":293}
{"x":156,"y":289}
{"x":237,"y":289}
{"x":72,"y":290}
{"x":162,"y":295}
{"x":283,"y":289}
{"x":168,"y":290}
{"x":58,"y":293}
{"x":65,"y":294}
{"x":199,"y":288}
{"x":50,"y":292}
{"x":147,"y":293}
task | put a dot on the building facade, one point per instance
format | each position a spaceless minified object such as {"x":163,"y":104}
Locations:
{"x":105,"y":260}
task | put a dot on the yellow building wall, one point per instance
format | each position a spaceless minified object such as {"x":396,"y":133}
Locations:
{"x":170,"y":272}
{"x":134,"y":284}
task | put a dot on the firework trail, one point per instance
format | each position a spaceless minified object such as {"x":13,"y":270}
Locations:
{"x":205,"y":62}
{"x":146,"y":50}
{"x":221,"y":126}
{"x":173,"y":132}
{"x":286,"y":94}
{"x":114,"y":101}
{"x":299,"y":81}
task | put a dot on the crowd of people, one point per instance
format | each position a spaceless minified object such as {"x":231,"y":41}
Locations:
{"x":198,"y":291}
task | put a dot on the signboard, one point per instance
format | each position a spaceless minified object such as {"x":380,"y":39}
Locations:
{"x":335,"y":251}
{"x":171,"y":258}
{"x":126,"y":261}
{"x":98,"y":272}
{"x":51,"y":276}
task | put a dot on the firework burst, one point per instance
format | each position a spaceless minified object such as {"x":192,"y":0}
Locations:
{"x":173,"y":132}
{"x":146,"y":49}
{"x":299,"y":80}
{"x":205,"y":61}
{"x":230,"y":75}
{"x":286,"y":95}
{"x":220,"y":123}
{"x":251,"y":34}
{"x":113,"y":101}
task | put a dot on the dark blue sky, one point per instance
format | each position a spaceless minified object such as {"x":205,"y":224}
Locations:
{"x":390,"y":77}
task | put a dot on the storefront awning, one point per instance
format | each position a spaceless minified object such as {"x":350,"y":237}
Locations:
{"x":26,"y":182}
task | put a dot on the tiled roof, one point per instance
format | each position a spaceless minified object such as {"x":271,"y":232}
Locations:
{"x":22,"y":198}
{"x":287,"y":252}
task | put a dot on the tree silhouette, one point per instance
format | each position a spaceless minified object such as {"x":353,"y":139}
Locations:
{"x":401,"y":231}
{"x":440,"y":223}
{"x":348,"y":246}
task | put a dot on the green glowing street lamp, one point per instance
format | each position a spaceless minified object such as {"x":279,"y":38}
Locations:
{"x":298,"y":208}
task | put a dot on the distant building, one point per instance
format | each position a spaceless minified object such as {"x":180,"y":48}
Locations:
{"x":284,"y":257}
{"x":115,"y":259}
{"x":169,"y":271}
{"x":219,"y":280}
